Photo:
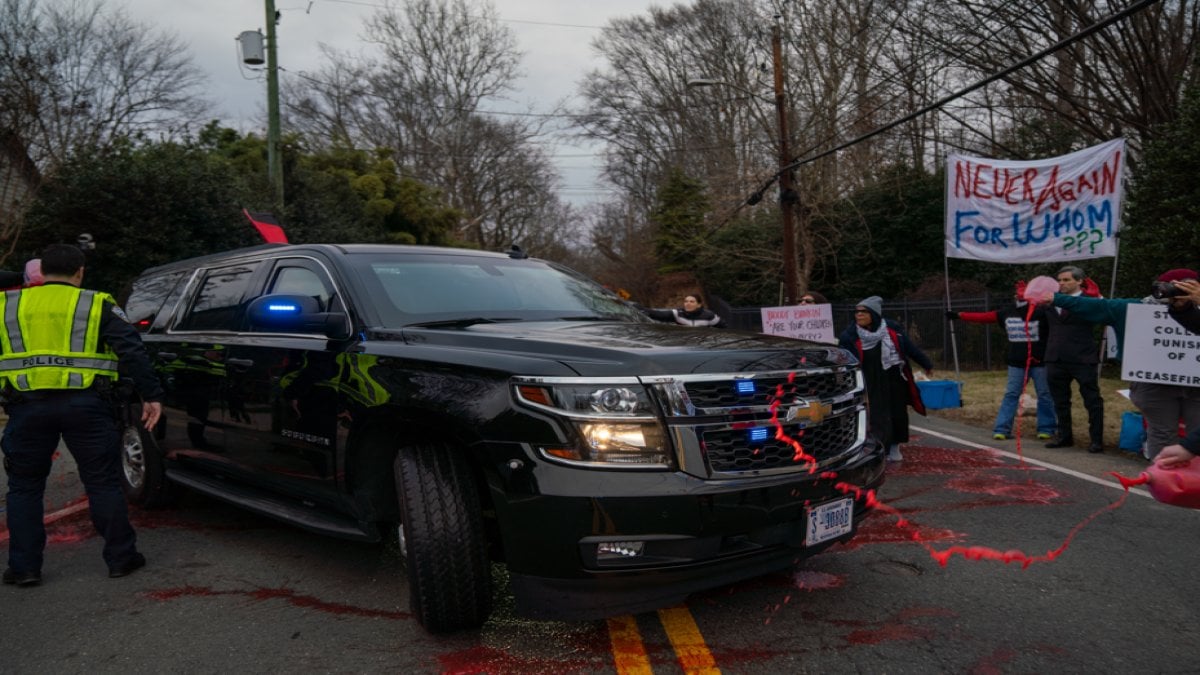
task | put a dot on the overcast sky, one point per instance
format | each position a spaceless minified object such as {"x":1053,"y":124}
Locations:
{"x":554,"y":34}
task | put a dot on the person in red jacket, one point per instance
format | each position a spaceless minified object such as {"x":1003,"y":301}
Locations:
{"x":1026,"y":345}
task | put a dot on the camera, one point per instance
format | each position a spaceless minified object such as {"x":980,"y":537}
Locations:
{"x":1164,"y":290}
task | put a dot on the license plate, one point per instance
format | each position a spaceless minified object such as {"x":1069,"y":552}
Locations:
{"x":829,"y":521}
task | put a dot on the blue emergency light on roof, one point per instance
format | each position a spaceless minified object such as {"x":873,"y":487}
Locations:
{"x":745,"y":386}
{"x":758,"y":434}
{"x":281,"y":307}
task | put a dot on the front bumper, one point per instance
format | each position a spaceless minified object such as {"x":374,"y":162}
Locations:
{"x":695,"y":535}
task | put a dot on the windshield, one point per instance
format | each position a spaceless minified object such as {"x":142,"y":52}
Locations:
{"x":410,"y":288}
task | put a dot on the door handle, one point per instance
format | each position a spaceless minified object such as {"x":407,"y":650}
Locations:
{"x":166,"y":356}
{"x":239,"y":363}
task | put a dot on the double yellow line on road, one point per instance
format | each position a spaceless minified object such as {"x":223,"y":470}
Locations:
{"x":629,"y":653}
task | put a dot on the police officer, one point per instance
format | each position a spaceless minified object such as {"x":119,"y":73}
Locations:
{"x":59,"y":350}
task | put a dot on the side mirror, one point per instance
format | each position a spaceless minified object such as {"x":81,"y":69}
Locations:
{"x":296,"y":314}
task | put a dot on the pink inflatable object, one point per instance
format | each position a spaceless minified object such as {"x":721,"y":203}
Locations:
{"x":1041,"y":289}
{"x":33,"y":272}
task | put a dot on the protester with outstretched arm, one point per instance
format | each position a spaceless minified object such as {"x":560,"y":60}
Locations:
{"x":1188,"y":315}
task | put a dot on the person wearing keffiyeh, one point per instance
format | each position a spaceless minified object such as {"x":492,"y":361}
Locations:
{"x":884,"y":352}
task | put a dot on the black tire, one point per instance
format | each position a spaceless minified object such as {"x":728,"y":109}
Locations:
{"x":143,"y":474}
{"x":442,"y":539}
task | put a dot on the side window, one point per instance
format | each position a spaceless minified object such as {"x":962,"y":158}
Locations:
{"x":218,"y":305}
{"x":294,"y":280}
{"x":149,"y":297}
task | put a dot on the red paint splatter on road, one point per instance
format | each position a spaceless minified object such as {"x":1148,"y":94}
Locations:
{"x":482,"y":659}
{"x":878,"y":531}
{"x":808,"y":580}
{"x":1027,"y":491}
{"x":993,"y":664}
{"x":286,"y":594}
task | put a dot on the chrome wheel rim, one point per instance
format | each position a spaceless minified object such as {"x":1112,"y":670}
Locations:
{"x":133,"y":458}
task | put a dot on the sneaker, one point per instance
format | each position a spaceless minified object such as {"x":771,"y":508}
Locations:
{"x":137,"y":562}
{"x":1044,"y":436}
{"x":21,"y":578}
{"x":894,"y":454}
{"x":1060,"y":442}
{"x":999,"y":437}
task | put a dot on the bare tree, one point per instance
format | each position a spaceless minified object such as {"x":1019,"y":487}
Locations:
{"x":1124,"y":80}
{"x":423,"y":95}
{"x":75,"y":74}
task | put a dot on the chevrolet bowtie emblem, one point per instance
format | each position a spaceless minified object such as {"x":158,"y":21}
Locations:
{"x":811,"y":412}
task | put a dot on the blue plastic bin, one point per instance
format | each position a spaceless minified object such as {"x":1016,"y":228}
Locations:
{"x":941,"y":393}
{"x":1133,"y":432}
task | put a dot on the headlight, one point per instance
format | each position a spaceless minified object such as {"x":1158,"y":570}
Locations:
{"x":613,"y":421}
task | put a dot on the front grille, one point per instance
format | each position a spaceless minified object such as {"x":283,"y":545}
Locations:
{"x":723,"y":393}
{"x":730,"y":450}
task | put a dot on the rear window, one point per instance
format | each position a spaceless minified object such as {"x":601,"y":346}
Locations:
{"x":218,"y":305}
{"x":153,"y":295}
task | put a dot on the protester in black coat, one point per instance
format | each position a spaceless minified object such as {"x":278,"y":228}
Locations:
{"x":692,"y":313}
{"x":884,"y":351}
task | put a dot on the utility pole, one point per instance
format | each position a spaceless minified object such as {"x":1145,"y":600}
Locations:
{"x":788,"y":196}
{"x":274,"y":160}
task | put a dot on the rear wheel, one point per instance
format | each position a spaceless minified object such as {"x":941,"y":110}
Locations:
{"x":442,"y":539}
{"x":143,"y":475}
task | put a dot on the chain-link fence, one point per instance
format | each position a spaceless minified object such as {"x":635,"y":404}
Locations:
{"x":980,"y":346}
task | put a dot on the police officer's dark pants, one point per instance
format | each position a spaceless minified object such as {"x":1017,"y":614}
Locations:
{"x":85,"y":421}
{"x":1059,"y":376}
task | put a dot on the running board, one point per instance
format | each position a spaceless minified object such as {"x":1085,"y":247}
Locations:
{"x":271,"y":506}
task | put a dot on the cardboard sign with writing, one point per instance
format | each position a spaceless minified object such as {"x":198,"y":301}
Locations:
{"x":1159,"y":350}
{"x":808,"y":322}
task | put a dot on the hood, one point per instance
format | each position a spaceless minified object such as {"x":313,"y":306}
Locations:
{"x":620,"y":349}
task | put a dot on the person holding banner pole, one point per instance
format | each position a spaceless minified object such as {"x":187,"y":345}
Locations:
{"x":1162,"y":404}
{"x":884,"y":351}
{"x":1026,"y":333}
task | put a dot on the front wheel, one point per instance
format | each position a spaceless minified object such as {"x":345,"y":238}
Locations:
{"x":143,"y":475}
{"x":442,"y":539}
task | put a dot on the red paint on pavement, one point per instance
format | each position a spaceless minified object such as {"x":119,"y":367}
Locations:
{"x":1024,"y":490}
{"x":808,"y":580}
{"x":994,"y":663}
{"x":286,"y":594}
{"x":888,"y":633}
{"x":482,"y":659}
{"x":879,"y":531}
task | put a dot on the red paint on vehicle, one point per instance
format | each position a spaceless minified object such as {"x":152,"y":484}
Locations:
{"x":286,"y":594}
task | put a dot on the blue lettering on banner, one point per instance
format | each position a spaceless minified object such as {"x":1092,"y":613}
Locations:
{"x":1079,"y":228}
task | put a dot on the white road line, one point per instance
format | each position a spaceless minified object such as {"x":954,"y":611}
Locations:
{"x":1030,"y":460}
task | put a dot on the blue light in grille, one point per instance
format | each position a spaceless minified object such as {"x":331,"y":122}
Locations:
{"x":745,"y":386}
{"x":758,"y":434}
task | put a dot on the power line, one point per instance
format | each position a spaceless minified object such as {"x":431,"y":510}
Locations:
{"x":797,"y":162}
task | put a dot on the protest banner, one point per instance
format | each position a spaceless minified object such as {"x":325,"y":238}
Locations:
{"x":1051,"y":210}
{"x":1159,"y":350}
{"x":808,"y":322}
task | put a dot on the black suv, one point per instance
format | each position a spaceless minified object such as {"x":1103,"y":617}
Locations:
{"x":487,"y":406}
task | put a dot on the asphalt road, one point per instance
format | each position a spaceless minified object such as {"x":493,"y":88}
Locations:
{"x":227,"y":591}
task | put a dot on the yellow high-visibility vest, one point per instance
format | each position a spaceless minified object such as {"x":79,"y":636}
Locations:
{"x":50,"y":338}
